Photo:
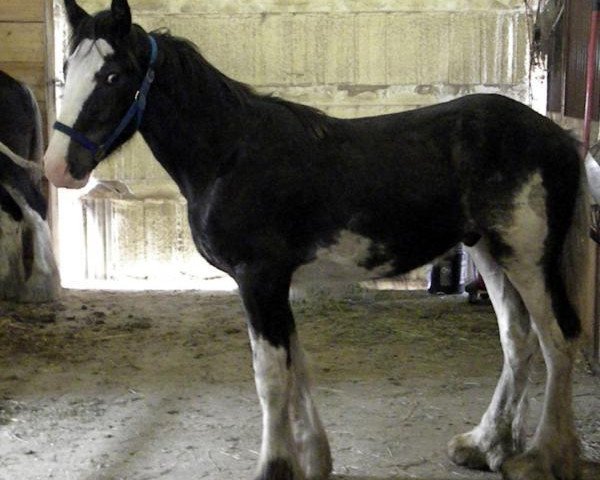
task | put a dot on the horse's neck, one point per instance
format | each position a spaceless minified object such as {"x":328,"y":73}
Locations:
{"x":187,"y":142}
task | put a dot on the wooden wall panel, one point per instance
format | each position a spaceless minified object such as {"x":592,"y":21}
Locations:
{"x":22,"y":11}
{"x":22,"y":42}
{"x":32,"y":73}
{"x":23,"y":48}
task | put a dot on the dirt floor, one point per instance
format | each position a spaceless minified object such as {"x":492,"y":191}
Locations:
{"x":148,"y":385}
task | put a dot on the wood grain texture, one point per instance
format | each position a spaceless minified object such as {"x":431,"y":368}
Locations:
{"x":22,"y":42}
{"x":22,"y":11}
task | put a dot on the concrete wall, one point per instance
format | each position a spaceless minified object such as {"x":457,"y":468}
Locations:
{"x":349,"y":58}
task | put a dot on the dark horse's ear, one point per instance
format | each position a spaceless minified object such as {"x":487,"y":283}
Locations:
{"x":122,"y":17}
{"x":75,"y":13}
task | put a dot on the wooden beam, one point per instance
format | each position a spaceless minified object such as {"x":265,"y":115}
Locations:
{"x":49,"y":115}
{"x":49,"y":67}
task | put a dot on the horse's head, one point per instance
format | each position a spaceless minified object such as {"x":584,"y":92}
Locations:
{"x":109,"y":67}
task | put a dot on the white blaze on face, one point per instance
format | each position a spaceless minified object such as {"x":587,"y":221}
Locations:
{"x":84,"y":64}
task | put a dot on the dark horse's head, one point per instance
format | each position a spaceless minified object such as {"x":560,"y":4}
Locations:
{"x":109,"y":71}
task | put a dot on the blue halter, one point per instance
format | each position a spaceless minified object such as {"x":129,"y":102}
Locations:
{"x":135,"y":110}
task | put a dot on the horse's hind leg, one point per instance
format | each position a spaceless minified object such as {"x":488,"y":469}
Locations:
{"x":311,"y":441}
{"x":532,"y":252}
{"x":554,"y":453}
{"x":500,"y":433}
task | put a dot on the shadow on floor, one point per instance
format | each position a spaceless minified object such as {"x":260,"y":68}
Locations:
{"x":590,"y":471}
{"x":346,"y":477}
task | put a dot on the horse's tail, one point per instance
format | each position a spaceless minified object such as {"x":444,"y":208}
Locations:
{"x":576,"y":261}
{"x":36,"y":151}
{"x":34,"y":168}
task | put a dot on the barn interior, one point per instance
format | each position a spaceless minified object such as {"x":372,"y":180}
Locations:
{"x":142,"y":368}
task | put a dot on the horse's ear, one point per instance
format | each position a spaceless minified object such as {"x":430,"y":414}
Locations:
{"x":122,"y":17}
{"x":75,"y":14}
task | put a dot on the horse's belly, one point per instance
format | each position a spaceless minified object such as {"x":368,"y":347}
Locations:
{"x":342,"y":263}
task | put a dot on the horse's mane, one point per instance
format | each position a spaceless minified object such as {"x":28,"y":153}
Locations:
{"x":191,"y":62}
{"x":184,"y":57}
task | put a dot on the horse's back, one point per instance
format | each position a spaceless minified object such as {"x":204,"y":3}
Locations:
{"x":380,"y":196}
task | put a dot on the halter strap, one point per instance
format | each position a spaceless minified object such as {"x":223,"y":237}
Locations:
{"x":136,"y":110}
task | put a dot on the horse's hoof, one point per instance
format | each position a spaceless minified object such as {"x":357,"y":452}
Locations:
{"x":464,"y":451}
{"x":315,"y":459}
{"x":533,"y":465}
{"x":468,"y":452}
{"x":279,"y":469}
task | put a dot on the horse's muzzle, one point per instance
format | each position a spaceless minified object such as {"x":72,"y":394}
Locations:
{"x":57,"y":172}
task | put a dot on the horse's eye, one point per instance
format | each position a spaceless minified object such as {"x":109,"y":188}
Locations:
{"x":112,"y":78}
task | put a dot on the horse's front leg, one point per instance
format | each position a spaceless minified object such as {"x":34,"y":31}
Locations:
{"x":271,"y":326}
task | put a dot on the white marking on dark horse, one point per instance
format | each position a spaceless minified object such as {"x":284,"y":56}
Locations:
{"x":85,"y":62}
{"x":339,"y":264}
{"x":593,"y":174}
{"x":529,"y":211}
{"x":43,"y":284}
{"x":273,"y":384}
{"x":555,"y":434}
{"x":312,"y":446}
{"x":34,"y":167}
{"x":501,"y":431}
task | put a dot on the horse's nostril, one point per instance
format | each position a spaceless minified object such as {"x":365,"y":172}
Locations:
{"x":57,"y":172}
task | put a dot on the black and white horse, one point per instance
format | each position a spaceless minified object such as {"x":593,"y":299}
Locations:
{"x":28,"y":270}
{"x":278,"y":192}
